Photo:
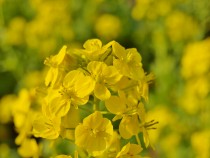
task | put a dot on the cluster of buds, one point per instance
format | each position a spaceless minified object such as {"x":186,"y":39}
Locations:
{"x":106,"y":88}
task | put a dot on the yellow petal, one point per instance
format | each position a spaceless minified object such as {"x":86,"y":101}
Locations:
{"x":101,"y":92}
{"x":28,"y":148}
{"x":122,"y":67}
{"x":129,"y":126}
{"x":118,"y":50}
{"x":96,"y":68}
{"x":93,"y":44}
{"x":49,"y":76}
{"x":146,"y":137}
{"x":56,"y":107}
{"x":79,"y":101}
{"x":60,"y":56}
{"x":141,"y":112}
{"x":124,"y":150}
{"x":71,"y":77}
{"x":132,"y":124}
{"x":84,"y":86}
{"x":74,"y":115}
{"x":46,"y":128}
{"x":115,"y":105}
{"x":81,"y":135}
{"x":67,"y":133}
{"x":94,"y":134}
{"x":93,"y":119}
{"x":135,"y":149}
{"x":111,"y":75}
{"x":117,"y":117}
{"x":123,"y":130}
{"x":97,"y":146}
{"x":130,"y":149}
{"x":136,"y":72}
{"x":134,"y":56}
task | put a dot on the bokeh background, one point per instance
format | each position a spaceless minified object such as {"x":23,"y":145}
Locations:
{"x":172,"y":36}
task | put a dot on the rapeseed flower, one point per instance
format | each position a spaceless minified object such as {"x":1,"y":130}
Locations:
{"x":94,"y":134}
{"x":127,"y":61}
{"x":29,"y":144}
{"x":104,"y":76}
{"x":127,"y":110}
{"x":94,"y":49}
{"x":55,"y":63}
{"x":107,"y":77}
{"x":46,"y":127}
{"x":75,"y":90}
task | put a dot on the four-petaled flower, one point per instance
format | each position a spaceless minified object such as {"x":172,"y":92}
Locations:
{"x":94,"y":134}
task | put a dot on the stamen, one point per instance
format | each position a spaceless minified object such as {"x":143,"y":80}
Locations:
{"x":148,"y":125}
{"x":151,"y":128}
{"x":47,"y":61}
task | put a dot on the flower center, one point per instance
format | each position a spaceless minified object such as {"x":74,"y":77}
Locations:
{"x":94,"y":132}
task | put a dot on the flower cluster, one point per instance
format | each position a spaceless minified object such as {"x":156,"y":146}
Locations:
{"x":108,"y":83}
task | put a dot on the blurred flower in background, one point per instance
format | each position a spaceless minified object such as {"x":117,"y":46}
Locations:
{"x":172,"y":37}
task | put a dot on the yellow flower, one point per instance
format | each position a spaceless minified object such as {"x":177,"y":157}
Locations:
{"x":55,"y":62}
{"x":25,"y":130}
{"x":180,"y":26}
{"x":104,"y":76}
{"x":108,"y":26}
{"x":200,"y":63}
{"x":127,"y":61}
{"x":94,"y":134}
{"x":201,"y":149}
{"x":145,"y":126}
{"x":29,"y":148}
{"x":53,"y":106}
{"x":129,"y":126}
{"x":75,"y":91}
{"x":113,"y":148}
{"x":126,"y":109}
{"x":130,"y":151}
{"x":21,"y":108}
{"x":94,"y":49}
{"x":46,"y":127}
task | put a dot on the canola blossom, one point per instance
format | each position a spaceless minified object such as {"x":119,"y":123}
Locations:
{"x":107,"y":81}
{"x":93,"y":97}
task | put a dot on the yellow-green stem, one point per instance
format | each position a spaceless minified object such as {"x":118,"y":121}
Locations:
{"x":96,"y":104}
{"x":137,"y":139}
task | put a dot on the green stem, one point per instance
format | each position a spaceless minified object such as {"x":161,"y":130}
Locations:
{"x":70,"y":128}
{"x":96,"y":104}
{"x":85,"y":109}
{"x":137,"y":139}
{"x":105,"y":112}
